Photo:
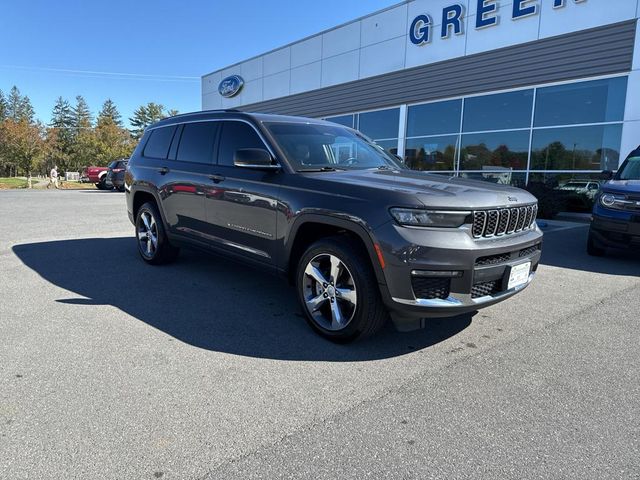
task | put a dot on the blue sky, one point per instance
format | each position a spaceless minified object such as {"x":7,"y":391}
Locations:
{"x":162,"y":47}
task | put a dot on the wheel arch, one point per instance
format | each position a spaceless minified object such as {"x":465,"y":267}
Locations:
{"x":311,"y":227}
{"x":140,"y":196}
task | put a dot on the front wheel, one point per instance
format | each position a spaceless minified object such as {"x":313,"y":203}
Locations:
{"x":338,"y":291}
{"x":592,"y":247}
{"x":153,"y":244}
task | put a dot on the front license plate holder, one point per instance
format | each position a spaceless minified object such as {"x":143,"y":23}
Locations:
{"x":517,"y":275}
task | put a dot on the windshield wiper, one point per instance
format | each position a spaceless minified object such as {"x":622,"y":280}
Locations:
{"x":321,"y":169}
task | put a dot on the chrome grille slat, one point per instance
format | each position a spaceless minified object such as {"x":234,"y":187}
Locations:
{"x":504,"y":221}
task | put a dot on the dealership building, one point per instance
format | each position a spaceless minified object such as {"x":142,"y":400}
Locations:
{"x":502,"y":90}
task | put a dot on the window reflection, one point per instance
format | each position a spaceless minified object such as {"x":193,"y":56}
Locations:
{"x":498,"y":112}
{"x":586,"y":102}
{"x":502,"y":149}
{"x":390,"y":146}
{"x":433,"y":153}
{"x":346,"y":120}
{"x":577,"y":148}
{"x":501,"y":177}
{"x":434,"y":118}
{"x":381,"y":124}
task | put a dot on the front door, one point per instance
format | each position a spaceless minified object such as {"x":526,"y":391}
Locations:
{"x":241,"y":203}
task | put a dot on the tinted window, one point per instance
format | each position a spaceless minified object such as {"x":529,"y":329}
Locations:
{"x":586,"y":102}
{"x":434,"y":118}
{"x":500,"y":149}
{"x":346,"y":120}
{"x":196,"y":142}
{"x":236,"y":135}
{"x":381,"y":124}
{"x":159,"y":142}
{"x":433,"y":153}
{"x":595,"y":147}
{"x":498,"y":112}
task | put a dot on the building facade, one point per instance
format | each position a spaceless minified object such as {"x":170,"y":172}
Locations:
{"x":509,"y":91}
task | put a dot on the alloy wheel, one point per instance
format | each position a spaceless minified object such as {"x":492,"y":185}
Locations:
{"x":329,"y":292}
{"x":148,"y":234}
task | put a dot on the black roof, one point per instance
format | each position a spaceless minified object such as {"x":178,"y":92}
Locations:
{"x":231,"y":113}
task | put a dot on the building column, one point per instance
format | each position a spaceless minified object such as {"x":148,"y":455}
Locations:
{"x":631,"y":128}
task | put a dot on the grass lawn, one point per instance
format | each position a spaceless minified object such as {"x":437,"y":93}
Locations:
{"x":6,"y":183}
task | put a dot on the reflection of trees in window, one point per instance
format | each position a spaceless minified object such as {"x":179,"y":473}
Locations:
{"x":556,"y":156}
{"x":435,"y":159}
{"x":477,"y":157}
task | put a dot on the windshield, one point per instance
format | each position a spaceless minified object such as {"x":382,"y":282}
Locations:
{"x":313,"y":147}
{"x":630,"y":169}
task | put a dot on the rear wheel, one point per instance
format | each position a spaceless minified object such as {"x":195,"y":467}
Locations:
{"x":338,"y":291}
{"x":592,"y":247}
{"x":102,"y":184}
{"x":153,"y":244}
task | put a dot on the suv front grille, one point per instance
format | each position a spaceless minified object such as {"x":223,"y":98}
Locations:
{"x":503,"y":221}
{"x":508,"y":256}
{"x":486,"y":288}
{"x":431,"y":288}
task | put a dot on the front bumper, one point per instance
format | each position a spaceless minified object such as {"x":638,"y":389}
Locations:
{"x":619,"y":230}
{"x":446,"y":272}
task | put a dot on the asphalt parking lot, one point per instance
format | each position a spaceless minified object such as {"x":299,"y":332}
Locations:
{"x":204,"y":369}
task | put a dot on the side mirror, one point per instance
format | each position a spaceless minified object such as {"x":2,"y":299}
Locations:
{"x":607,"y":174}
{"x":256,"y":158}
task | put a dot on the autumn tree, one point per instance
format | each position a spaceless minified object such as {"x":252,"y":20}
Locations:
{"x":23,"y":143}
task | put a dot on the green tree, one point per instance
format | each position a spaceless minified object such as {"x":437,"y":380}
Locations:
{"x":3,"y":107}
{"x":18,"y":107}
{"x":146,"y":115}
{"x":81,"y":115}
{"x":60,"y":136}
{"x":112,"y":143}
{"x":109,"y":114}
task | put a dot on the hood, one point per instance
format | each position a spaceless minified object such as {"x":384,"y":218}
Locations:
{"x":622,"y":186}
{"x":434,"y":191}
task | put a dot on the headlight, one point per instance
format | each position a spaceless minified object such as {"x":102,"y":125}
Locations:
{"x":429,"y":218}
{"x":609,"y":200}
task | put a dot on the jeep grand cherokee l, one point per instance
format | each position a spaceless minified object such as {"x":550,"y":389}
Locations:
{"x":359,"y":235}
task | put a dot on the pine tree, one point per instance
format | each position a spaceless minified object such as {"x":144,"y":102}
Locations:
{"x":62,"y":115}
{"x":109,"y":114}
{"x":3,"y":106}
{"x":19,"y":108}
{"x":144,"y":116}
{"x":61,"y":135}
{"x":81,"y":115}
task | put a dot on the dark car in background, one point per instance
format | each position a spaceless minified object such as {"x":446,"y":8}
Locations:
{"x":115,"y":174}
{"x":358,"y":235}
{"x":615,"y":222}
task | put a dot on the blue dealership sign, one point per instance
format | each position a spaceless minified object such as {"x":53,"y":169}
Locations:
{"x":231,"y":86}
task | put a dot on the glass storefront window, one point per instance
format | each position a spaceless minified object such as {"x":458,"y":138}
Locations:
{"x":594,"y":147}
{"x":499,"y":149}
{"x":433,"y":153}
{"x":434,"y":118}
{"x":390,"y":146}
{"x":501,"y":111}
{"x":346,"y":120}
{"x":501,"y":177}
{"x":381,"y":124}
{"x":586,"y":102}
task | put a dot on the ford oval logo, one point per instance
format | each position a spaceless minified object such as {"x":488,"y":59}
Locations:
{"x":231,"y":86}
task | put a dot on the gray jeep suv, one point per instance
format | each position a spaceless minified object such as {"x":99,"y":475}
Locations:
{"x":360,"y":236}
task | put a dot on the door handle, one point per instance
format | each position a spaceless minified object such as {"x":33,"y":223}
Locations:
{"x":216,"y":178}
{"x":163,"y":170}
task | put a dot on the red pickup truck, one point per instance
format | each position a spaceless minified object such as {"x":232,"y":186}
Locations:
{"x":96,"y":175}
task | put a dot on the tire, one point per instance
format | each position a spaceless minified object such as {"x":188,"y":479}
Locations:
{"x":102,"y":184}
{"x":356,"y":281}
{"x":149,"y":223}
{"x":592,"y":247}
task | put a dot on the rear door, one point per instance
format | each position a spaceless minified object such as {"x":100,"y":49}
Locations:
{"x":241,"y":203}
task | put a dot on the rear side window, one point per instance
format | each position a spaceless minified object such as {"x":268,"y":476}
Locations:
{"x":196,"y":142}
{"x":159,"y":142}
{"x":236,"y":135}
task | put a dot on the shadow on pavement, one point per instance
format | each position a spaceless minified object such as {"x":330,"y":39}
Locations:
{"x":568,"y":249}
{"x":209,"y":302}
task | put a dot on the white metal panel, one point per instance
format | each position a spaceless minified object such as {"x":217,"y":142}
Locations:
{"x":636,"y":48}
{"x":340,"y":40}
{"x":382,"y":57}
{"x":252,"y":69}
{"x":506,"y":32}
{"x":384,"y":26}
{"x":439,"y":49}
{"x":630,"y":138}
{"x":307,"y":51}
{"x":210,"y":83}
{"x":277,"y":85}
{"x":252,"y":92}
{"x":211,"y":101}
{"x":278,"y":61}
{"x":582,"y":15}
{"x":232,"y":102}
{"x":307,"y":77}
{"x":341,"y":68}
